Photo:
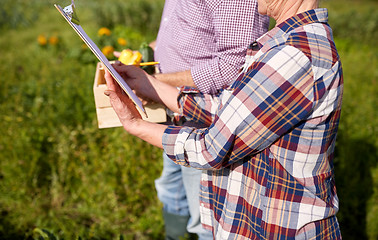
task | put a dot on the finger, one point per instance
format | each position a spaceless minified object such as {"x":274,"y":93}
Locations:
{"x":123,"y":70}
{"x":109,"y":80}
{"x":116,"y":100}
{"x":117,"y":103}
{"x":116,"y":54}
{"x":113,"y":85}
{"x":120,"y":67}
{"x":108,"y":92}
{"x":131,"y":107}
{"x":116,"y":63}
{"x":123,"y":105}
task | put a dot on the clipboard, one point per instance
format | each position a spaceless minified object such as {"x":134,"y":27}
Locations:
{"x":70,"y":15}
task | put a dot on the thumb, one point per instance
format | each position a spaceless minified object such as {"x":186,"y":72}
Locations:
{"x":109,"y":93}
{"x":116,"y":54}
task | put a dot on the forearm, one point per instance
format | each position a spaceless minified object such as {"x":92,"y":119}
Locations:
{"x":176,"y":79}
{"x":147,"y":131}
{"x":166,"y":95}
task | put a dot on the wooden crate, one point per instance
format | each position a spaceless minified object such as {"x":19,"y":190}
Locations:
{"x":106,"y":116}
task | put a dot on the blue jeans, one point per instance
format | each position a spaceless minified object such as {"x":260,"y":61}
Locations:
{"x":178,"y":189}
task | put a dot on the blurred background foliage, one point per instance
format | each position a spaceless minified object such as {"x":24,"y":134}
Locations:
{"x":60,"y":174}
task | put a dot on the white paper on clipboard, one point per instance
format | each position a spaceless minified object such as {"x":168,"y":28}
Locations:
{"x":69,"y":14}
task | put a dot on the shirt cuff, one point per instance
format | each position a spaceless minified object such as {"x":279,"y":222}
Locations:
{"x":183,"y":91}
{"x":174,"y":139}
{"x":209,"y":79}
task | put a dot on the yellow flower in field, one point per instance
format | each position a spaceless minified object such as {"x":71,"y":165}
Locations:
{"x":42,"y":40}
{"x":104,"y":31}
{"x":107,"y":51}
{"x":84,"y":46}
{"x":122,"y":41}
{"x":54,"y":40}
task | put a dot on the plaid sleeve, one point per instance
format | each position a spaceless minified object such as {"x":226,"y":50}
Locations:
{"x":196,"y":106}
{"x":236,"y":25}
{"x":273,"y":96}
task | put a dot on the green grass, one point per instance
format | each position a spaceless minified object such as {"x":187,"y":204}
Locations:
{"x":355,"y":25}
{"x":59,"y":172}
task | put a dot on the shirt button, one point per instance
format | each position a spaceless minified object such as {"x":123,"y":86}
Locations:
{"x":254,"y":46}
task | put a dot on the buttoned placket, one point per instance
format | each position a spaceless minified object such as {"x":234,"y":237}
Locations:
{"x":252,"y":49}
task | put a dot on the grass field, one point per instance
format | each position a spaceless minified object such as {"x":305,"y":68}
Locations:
{"x":60,"y":173}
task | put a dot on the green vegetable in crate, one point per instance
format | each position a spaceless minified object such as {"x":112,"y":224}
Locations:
{"x":147,"y":56}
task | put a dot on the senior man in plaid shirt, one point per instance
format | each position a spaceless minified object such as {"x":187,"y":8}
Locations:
{"x":267,"y":153}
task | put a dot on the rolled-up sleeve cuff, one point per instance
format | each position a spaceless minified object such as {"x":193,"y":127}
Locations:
{"x":209,"y":78}
{"x":205,"y":77}
{"x":183,"y":95}
{"x":183,"y":91}
{"x":174,"y":139}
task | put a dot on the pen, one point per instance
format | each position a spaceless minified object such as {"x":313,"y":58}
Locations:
{"x":146,"y":63}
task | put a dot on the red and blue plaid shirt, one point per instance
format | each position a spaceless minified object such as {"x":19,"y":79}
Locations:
{"x":267,"y":153}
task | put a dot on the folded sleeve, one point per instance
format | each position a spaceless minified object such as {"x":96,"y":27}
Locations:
{"x":198,"y":107}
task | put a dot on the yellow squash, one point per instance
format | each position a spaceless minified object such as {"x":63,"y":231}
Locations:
{"x":129,"y":57}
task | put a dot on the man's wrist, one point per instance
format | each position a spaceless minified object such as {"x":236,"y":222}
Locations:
{"x":158,"y":76}
{"x":133,"y":126}
{"x":177,"y":79}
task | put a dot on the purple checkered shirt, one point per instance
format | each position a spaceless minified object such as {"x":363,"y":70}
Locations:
{"x":267,"y":155}
{"x":208,"y":37}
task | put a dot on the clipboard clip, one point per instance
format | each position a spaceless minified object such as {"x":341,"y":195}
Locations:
{"x":70,"y":11}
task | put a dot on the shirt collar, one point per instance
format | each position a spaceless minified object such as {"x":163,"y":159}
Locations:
{"x":319,"y":15}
